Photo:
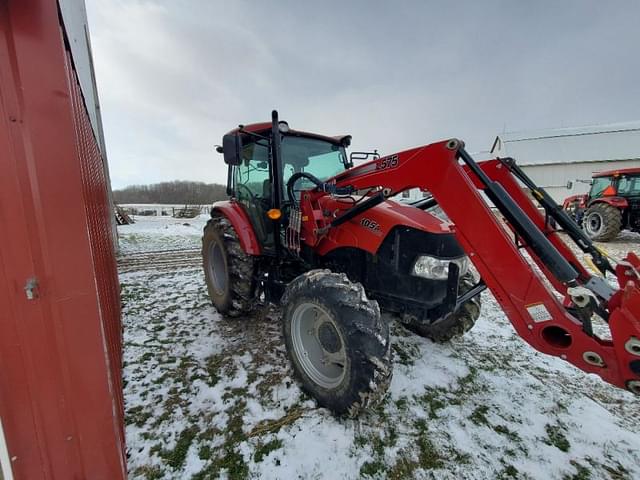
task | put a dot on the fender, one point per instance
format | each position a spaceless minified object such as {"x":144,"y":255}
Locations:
{"x":617,"y":202}
{"x":241,"y":224}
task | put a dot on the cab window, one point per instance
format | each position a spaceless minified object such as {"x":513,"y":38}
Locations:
{"x":599,"y":185}
{"x":629,"y":186}
{"x":251,"y":177}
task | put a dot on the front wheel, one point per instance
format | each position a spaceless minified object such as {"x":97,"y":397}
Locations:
{"x":602,"y":222}
{"x":337,"y":342}
{"x":452,"y":325}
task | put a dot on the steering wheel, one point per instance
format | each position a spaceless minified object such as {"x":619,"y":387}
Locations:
{"x":246,"y":189}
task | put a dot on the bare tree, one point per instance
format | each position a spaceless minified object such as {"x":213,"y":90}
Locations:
{"x":175,"y":192}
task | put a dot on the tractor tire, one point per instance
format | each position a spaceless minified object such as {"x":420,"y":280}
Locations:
{"x":337,"y":342}
{"x":450,"y":326}
{"x":602,"y":222}
{"x":228,"y":270}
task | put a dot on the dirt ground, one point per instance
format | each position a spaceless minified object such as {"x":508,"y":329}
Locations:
{"x":208,"y":397}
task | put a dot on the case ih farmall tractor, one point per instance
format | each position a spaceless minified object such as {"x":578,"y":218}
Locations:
{"x":612,"y":204}
{"x":307,"y":229}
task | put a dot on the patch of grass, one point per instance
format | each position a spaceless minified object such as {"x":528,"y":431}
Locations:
{"x":234,"y":393}
{"x":149,"y":472}
{"x":479,"y":415}
{"x":509,"y":472}
{"x":458,"y":457}
{"x":156,"y":449}
{"x":391,"y":436}
{"x":209,"y":434}
{"x":219,"y":365}
{"x":262,"y":450}
{"x":428,"y":455}
{"x":433,"y":402}
{"x":372,"y":469}
{"x":402,"y":403}
{"x":511,"y":435}
{"x":556,"y":437}
{"x":228,"y":457}
{"x":175,"y":458}
{"x":137,"y":415}
{"x":146,"y":356}
{"x":402,"y":469}
{"x":405,"y":353}
{"x":267,"y":382}
{"x":233,"y":462}
{"x":205,"y":452}
{"x":467,"y":385}
{"x":582,"y":472}
{"x":359,"y":441}
{"x":170,"y":405}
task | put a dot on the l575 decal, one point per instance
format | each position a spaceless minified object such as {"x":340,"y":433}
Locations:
{"x":387,"y":162}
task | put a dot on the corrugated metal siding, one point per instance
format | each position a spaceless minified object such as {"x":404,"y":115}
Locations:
{"x":577,"y":145}
{"x":99,"y":213}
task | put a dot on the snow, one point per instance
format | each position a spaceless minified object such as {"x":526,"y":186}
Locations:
{"x":161,"y":233}
{"x":207,"y":397}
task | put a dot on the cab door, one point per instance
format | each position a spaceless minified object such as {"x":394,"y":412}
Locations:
{"x":251,"y":185}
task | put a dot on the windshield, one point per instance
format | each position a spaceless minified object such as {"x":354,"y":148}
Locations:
{"x":317,"y":157}
{"x":599,"y":185}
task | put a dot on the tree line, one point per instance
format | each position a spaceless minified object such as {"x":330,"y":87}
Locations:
{"x":176,"y":192}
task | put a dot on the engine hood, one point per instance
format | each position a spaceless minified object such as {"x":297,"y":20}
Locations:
{"x":368,"y":230}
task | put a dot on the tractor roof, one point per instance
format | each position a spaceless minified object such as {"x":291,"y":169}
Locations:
{"x":265,"y":126}
{"x":620,"y":171}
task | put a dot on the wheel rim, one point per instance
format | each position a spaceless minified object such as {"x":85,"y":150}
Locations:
{"x":318,"y":345}
{"x":594,"y":223}
{"x":217,"y":268}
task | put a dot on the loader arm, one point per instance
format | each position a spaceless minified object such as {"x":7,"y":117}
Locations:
{"x":550,"y":307}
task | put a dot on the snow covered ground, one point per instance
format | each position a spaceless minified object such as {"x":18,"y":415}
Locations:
{"x":213,"y":398}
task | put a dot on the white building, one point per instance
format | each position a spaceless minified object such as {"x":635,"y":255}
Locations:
{"x":562,"y":160}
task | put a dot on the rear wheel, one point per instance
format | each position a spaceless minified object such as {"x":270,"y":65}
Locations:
{"x":602,"y":222}
{"x":337,"y":342}
{"x":228,"y":270}
{"x":450,"y":326}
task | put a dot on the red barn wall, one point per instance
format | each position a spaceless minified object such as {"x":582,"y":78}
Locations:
{"x":60,"y":352}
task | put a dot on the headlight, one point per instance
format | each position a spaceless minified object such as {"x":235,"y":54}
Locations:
{"x":438,"y":268}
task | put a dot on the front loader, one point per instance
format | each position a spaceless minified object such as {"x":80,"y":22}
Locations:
{"x":307,"y":229}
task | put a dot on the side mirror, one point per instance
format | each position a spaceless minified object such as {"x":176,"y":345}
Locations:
{"x":231,"y":148}
{"x":569,"y":185}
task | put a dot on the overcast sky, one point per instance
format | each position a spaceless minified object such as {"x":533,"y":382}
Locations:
{"x":174,"y":76}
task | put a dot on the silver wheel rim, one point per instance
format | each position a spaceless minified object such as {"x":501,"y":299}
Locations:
{"x":217,"y":268}
{"x":594,"y":223}
{"x":318,"y":345}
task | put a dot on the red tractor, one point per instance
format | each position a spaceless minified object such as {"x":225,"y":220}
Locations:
{"x":612,"y":204}
{"x":307,"y":229}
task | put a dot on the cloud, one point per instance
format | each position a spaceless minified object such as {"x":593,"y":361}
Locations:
{"x":174,"y":76}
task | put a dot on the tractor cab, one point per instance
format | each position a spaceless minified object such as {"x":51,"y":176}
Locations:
{"x":263,"y":157}
{"x":623,"y":183}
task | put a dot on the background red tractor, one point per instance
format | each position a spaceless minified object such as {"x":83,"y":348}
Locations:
{"x":612,"y":204}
